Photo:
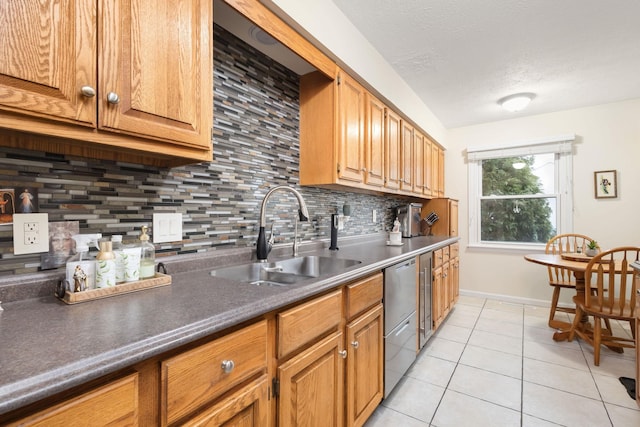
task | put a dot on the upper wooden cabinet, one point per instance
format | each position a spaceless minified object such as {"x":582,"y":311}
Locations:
{"x":374,"y":141}
{"x":406,"y":158}
{"x":122,"y":76}
{"x":348,"y":137}
{"x":393,"y":138}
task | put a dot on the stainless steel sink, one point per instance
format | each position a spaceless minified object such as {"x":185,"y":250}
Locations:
{"x":285,"y":272}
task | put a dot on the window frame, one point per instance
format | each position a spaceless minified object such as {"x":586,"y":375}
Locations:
{"x":562,"y":148}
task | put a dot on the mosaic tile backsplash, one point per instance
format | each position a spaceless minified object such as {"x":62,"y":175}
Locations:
{"x":256,"y":147}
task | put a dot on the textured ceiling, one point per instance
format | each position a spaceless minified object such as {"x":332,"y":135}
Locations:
{"x":461,"y":56}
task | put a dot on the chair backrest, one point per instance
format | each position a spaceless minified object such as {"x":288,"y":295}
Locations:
{"x":561,"y":244}
{"x":615,"y":281}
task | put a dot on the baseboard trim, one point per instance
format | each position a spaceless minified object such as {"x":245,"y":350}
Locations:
{"x":511,"y":298}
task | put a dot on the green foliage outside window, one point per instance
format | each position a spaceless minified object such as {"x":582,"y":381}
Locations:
{"x":514,"y":219}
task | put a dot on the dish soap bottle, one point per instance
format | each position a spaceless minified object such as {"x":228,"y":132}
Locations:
{"x":147,"y":256}
{"x":105,"y":266}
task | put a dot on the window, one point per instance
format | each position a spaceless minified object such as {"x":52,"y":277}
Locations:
{"x":520,"y":195}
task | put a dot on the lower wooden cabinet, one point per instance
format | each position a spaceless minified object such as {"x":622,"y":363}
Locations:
{"x":445,"y":284}
{"x":365,"y":365}
{"x":247,"y":407}
{"x":196,"y":377}
{"x":311,"y":386}
{"x":317,"y":363}
{"x":112,"y":404}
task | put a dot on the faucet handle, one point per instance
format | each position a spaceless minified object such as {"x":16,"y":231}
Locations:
{"x":272,"y":238}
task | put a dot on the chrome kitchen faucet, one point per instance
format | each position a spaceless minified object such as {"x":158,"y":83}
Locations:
{"x":264,"y":246}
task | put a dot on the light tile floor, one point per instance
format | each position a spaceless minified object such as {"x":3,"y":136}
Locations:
{"x":494,"y":363}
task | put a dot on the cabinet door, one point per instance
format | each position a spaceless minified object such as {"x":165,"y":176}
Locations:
{"x":115,"y":403}
{"x":453,"y":217}
{"x":446,"y":289}
{"x":427,"y":167}
{"x":440,"y":173}
{"x":435,"y":167}
{"x":156,"y":59}
{"x":406,"y":158}
{"x":365,"y":360}
{"x":418,"y":163}
{"x":393,"y":132}
{"x":437,"y":298}
{"x":248,"y":407}
{"x":350,"y":129}
{"x":47,"y":54}
{"x":374,"y":142}
{"x":454,"y":281}
{"x":312,"y":386}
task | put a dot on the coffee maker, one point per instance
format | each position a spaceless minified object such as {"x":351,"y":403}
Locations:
{"x":409,"y":217}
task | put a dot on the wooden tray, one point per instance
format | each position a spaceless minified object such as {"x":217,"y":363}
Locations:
{"x":76,"y":297}
{"x":576,"y":257}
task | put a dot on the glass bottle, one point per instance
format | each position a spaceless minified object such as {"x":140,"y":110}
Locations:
{"x":148,"y":255}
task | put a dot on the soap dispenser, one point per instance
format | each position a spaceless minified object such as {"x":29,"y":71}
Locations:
{"x":148,"y":255}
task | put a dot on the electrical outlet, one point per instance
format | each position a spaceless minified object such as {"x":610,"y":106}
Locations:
{"x":30,"y":233}
{"x":374,"y":216}
{"x":167,"y":227}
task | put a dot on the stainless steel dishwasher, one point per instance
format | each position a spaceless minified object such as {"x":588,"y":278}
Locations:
{"x":400,"y":327}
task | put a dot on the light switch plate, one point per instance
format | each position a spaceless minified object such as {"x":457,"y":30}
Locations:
{"x":30,"y":233}
{"x":167,"y":227}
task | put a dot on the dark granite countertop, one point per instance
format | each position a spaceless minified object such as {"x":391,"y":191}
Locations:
{"x":48,"y":346}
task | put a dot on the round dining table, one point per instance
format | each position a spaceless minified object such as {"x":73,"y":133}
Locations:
{"x":577,"y":264}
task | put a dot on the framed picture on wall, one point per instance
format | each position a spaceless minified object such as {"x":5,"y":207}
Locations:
{"x":606,"y":185}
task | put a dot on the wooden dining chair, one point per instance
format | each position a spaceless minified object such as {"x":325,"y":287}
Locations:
{"x":561,"y":277}
{"x":613,"y":284}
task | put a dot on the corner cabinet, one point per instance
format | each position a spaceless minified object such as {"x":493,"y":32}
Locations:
{"x":447,"y":211}
{"x":121,"y":80}
{"x":349,"y":138}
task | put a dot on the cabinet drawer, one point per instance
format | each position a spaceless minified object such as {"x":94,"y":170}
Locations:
{"x":437,"y":258}
{"x":197,"y":376}
{"x":115,"y":403}
{"x":445,"y":254}
{"x":454,"y":250}
{"x":363,"y":294}
{"x":307,"y":322}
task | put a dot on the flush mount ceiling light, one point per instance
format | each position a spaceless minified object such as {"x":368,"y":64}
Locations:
{"x":519,"y":165}
{"x":516,"y":102}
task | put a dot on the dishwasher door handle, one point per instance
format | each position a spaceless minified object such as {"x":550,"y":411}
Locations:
{"x":405,"y":326}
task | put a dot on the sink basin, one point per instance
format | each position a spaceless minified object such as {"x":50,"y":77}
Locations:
{"x":285,"y":272}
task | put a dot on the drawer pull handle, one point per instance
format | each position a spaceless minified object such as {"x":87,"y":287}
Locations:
{"x":227,"y":366}
{"x":88,"y":91}
{"x":355,"y":344}
{"x":343,"y":354}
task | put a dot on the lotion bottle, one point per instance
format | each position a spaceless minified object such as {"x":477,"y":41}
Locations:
{"x":105,"y":266}
{"x":116,"y":246}
{"x":147,"y":256}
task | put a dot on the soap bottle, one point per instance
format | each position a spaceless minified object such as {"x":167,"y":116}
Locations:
{"x":105,"y":266}
{"x":81,"y":268}
{"x":147,"y":256}
{"x":116,"y":246}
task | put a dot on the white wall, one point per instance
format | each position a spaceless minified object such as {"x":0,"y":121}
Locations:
{"x":323,"y":22}
{"x":607,"y":137}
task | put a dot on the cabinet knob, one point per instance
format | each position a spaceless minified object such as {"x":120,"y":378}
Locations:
{"x":355,"y":344}
{"x":343,"y":354}
{"x":88,"y":91}
{"x":113,"y":98}
{"x":364,"y":169}
{"x":227,"y":366}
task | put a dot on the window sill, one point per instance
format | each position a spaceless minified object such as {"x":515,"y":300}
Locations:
{"x":504,"y":247}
